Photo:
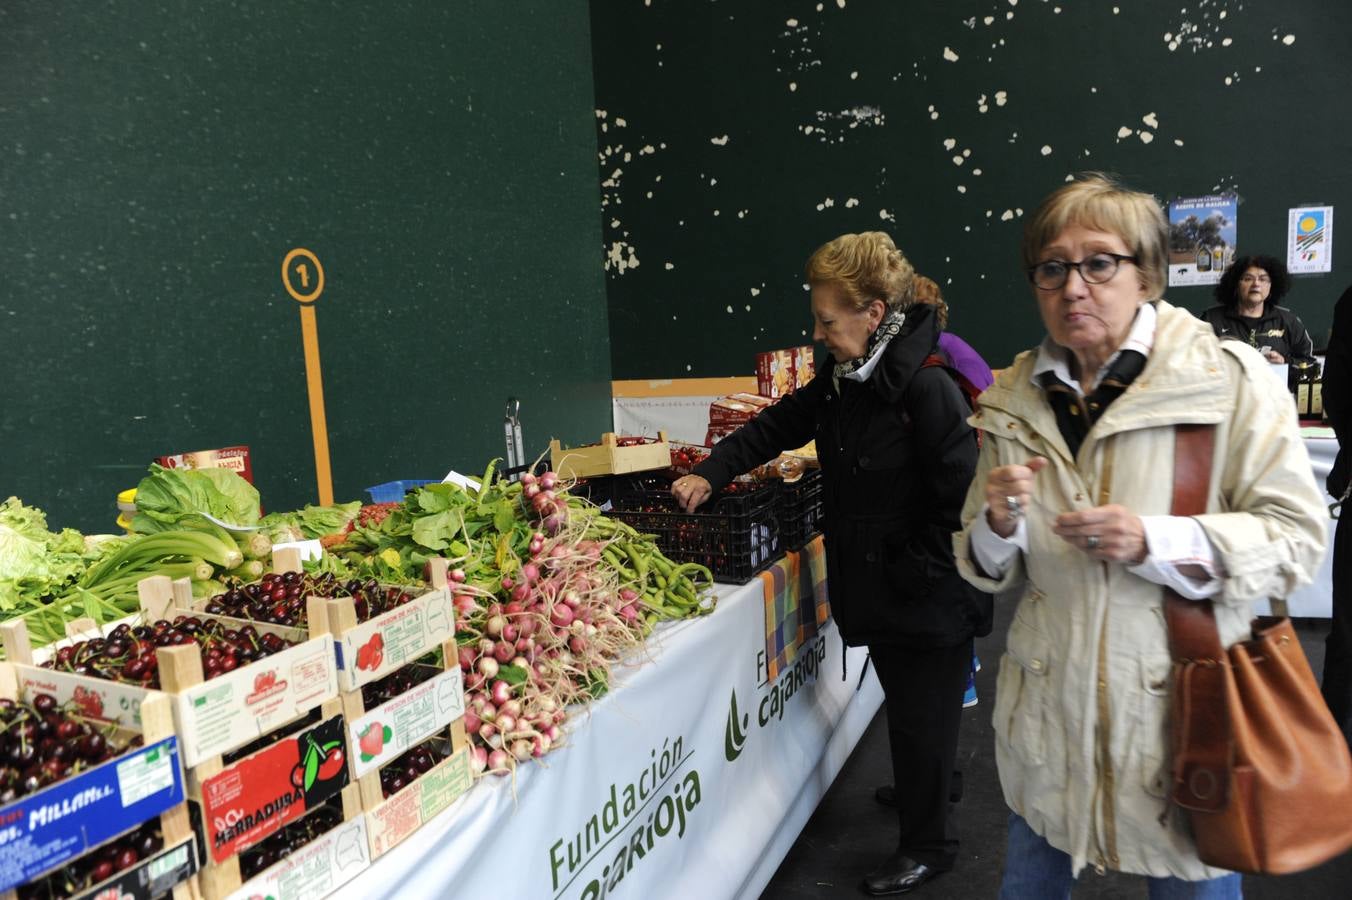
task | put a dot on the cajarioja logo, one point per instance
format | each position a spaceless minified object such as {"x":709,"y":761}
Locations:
{"x":734,"y":736}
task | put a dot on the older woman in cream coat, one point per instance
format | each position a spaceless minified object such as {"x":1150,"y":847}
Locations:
{"x":1070,"y":508}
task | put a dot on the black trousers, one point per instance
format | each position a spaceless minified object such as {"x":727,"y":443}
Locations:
{"x":923,"y":688}
{"x":1337,"y":682}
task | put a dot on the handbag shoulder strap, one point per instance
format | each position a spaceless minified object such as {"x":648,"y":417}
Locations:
{"x":1192,"y":623}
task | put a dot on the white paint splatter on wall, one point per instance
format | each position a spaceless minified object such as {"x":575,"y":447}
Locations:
{"x":950,"y":55}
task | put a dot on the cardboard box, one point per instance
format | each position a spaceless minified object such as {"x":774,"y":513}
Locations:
{"x":737,"y":409}
{"x":781,"y":372}
{"x":234,"y":458}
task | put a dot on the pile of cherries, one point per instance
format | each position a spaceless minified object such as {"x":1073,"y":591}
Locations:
{"x":99,"y":865}
{"x":293,"y":837}
{"x":42,"y":743}
{"x":127,"y":654}
{"x":279,"y":598}
{"x":411,"y":764}
{"x":398,"y":682}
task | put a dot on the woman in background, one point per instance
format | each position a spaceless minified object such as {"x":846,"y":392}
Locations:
{"x":1246,"y":309}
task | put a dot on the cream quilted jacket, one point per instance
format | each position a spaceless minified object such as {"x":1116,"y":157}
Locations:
{"x":1081,"y":707}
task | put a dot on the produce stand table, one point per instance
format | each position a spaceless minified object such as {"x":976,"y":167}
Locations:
{"x":692,"y":778}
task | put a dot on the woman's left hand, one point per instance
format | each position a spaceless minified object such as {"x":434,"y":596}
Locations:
{"x":1112,"y":533}
{"x":1274,"y":357}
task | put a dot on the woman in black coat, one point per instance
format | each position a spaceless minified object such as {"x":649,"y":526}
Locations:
{"x":897,"y":455}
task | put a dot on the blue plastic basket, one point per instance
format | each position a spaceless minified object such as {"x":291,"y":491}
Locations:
{"x":394,"y":491}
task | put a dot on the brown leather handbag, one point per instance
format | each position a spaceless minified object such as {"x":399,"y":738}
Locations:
{"x":1258,"y":762}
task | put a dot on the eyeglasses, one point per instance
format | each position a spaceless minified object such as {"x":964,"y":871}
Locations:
{"x":1261,"y":279}
{"x":1095,"y":269}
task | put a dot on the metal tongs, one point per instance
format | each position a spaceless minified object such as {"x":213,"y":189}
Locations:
{"x":511,"y":426}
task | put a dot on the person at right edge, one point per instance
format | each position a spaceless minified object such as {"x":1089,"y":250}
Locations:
{"x":1337,"y":681}
{"x":1071,"y":510}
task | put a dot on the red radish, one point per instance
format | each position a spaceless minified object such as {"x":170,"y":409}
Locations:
{"x":487,"y":731}
{"x":527,"y":479}
{"x":540,"y":746}
{"x":561,"y":616}
{"x":510,"y":632}
{"x":472,"y":722}
{"x":530,"y":572}
{"x":549,"y":480}
{"x":521,"y":750}
{"x":467,"y":656}
{"x":507,"y":582}
{"x":511,"y":707}
{"x":504,"y":652}
{"x":521,"y":592}
{"x":488,"y":667}
{"x":497,"y":761}
{"x":505,"y":723}
{"x":457,"y":575}
{"x":478,"y":759}
{"x":494,"y":625}
{"x":530,"y":491}
{"x":501,"y":692}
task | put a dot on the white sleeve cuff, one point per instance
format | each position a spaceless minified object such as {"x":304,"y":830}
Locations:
{"x":1173,"y":541}
{"x":993,"y":553}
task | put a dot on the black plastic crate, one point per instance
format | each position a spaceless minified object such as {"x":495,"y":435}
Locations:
{"x":736,"y":535}
{"x":799,"y":510}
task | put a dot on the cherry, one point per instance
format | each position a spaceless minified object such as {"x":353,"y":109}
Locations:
{"x":102,"y":871}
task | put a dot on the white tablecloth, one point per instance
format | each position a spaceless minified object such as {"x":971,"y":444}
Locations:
{"x":1315,"y":600}
{"x":601,"y":817}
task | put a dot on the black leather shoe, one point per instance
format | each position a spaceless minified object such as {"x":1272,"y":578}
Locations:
{"x":898,"y":875}
{"x":887,"y":794}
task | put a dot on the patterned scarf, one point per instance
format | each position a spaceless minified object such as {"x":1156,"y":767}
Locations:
{"x":859,"y":368}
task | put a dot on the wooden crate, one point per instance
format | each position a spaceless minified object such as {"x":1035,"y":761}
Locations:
{"x":321,"y":866}
{"x":608,"y":458}
{"x":76,"y":816}
{"x":434,"y":707}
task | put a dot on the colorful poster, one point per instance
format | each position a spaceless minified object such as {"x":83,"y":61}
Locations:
{"x":1309,"y":239}
{"x":1201,"y":238}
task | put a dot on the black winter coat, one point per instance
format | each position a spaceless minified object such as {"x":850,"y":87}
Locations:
{"x":897,"y":456}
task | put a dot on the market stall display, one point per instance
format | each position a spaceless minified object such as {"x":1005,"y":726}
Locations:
{"x":325,"y":714}
{"x":93,"y":796}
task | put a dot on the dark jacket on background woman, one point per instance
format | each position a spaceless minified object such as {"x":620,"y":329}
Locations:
{"x":897,"y":455}
{"x":1278,"y":328}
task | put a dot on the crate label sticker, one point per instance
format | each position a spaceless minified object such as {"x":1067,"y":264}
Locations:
{"x":44,"y":830}
{"x":102,"y":701}
{"x":442,"y":785}
{"x":258,"y":795}
{"x":406,"y":811}
{"x":166,"y":863}
{"x":150,"y":878}
{"x":144,"y":775}
{"x":406,"y":720}
{"x":232,"y":709}
{"x":396,"y":638}
{"x":315,"y":870}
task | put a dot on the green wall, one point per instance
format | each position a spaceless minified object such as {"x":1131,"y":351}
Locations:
{"x":156,"y":164}
{"x":774,"y":126}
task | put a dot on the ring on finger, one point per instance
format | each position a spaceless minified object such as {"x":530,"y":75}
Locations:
{"x":1013,"y":508}
{"x":1092,"y":542}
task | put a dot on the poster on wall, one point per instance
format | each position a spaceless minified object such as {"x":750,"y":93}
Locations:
{"x":1309,"y":239}
{"x":1201,"y":238}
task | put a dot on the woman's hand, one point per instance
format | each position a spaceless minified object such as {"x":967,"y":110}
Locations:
{"x":1111,"y":533}
{"x":690,"y":491}
{"x":1010,"y":482}
{"x":1274,"y":357}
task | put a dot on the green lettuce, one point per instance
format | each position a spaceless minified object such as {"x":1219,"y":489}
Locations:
{"x":35,"y":563}
{"x":310,"y":522}
{"x":166,"y":496}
